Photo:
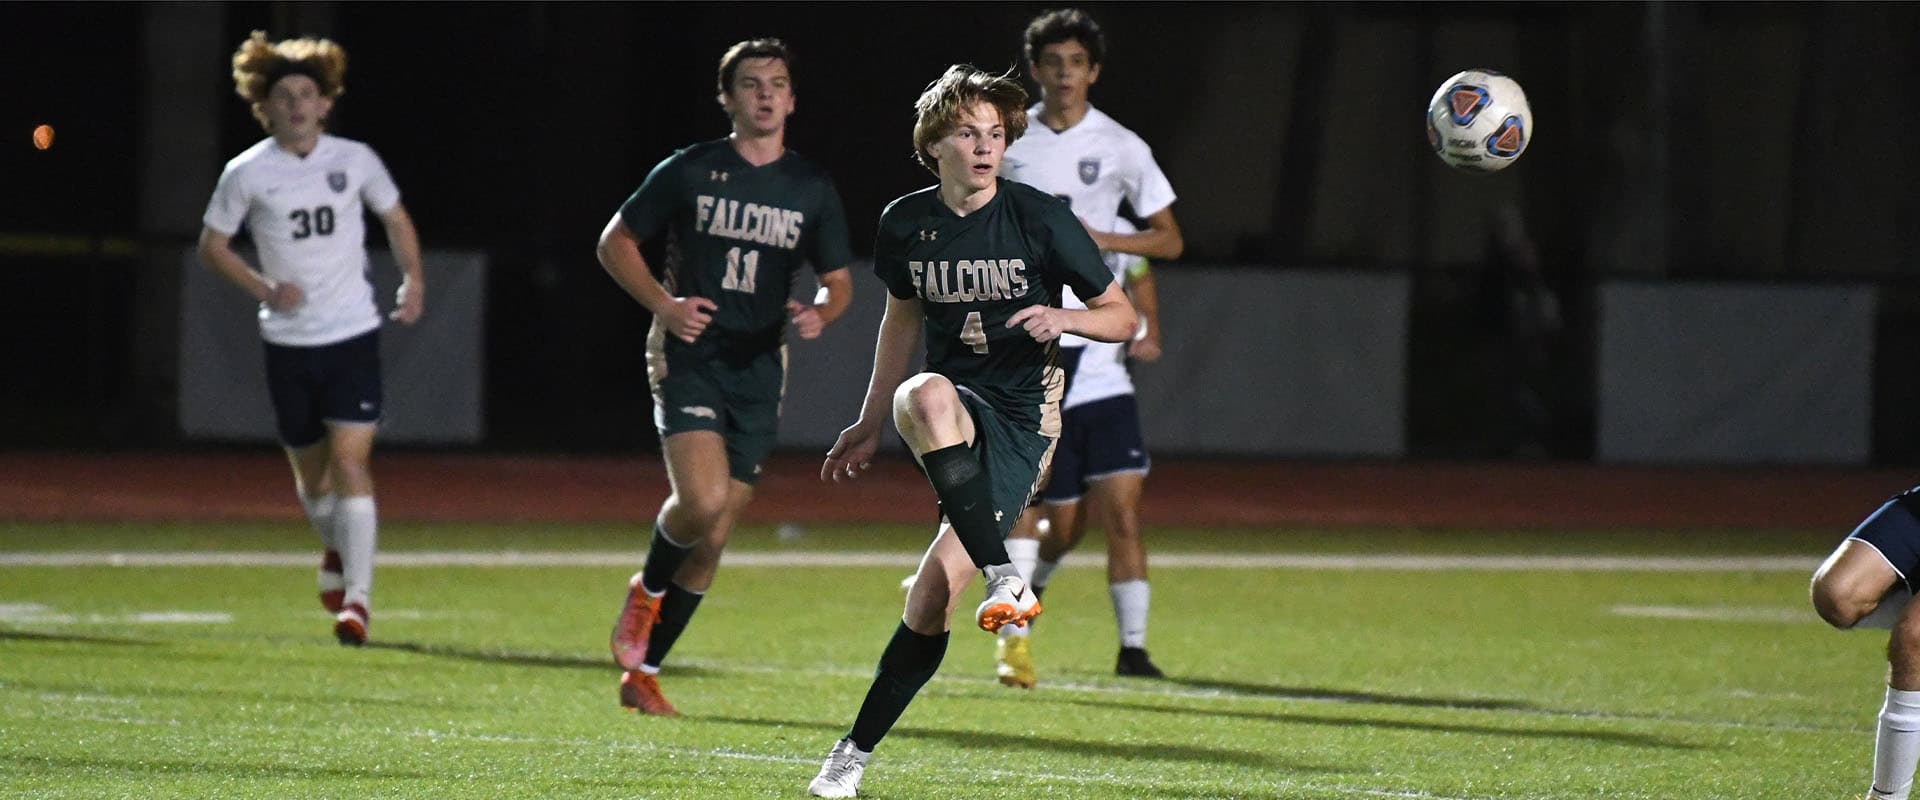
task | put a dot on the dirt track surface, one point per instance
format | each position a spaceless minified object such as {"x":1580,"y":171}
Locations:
{"x":475,"y":488}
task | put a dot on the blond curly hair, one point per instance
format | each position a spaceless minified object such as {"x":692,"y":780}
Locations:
{"x":258,"y":64}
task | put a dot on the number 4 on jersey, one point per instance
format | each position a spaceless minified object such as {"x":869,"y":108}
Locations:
{"x":741,"y":270}
{"x":974,"y":333}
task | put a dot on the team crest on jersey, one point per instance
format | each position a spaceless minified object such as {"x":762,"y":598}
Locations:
{"x":337,"y":181}
{"x":1089,"y":170}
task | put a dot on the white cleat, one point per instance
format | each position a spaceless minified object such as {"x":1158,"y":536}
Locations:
{"x":1009,"y":601}
{"x":840,"y":776}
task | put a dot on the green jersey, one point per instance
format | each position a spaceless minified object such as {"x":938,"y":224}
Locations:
{"x":972,"y":273}
{"x":737,"y":234}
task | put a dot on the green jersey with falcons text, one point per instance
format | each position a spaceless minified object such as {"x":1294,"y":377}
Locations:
{"x":972,"y":273}
{"x":737,"y":234}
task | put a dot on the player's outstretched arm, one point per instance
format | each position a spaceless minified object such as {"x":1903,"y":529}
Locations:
{"x":619,"y":252}
{"x":900,"y":331}
{"x":1161,"y":239}
{"x":1107,"y":318}
{"x":404,"y":240}
{"x":216,"y":251}
{"x":1146,"y":301}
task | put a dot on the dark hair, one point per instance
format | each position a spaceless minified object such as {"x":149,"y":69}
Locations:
{"x":751,"y":48}
{"x":937,"y":112}
{"x":1061,"y":24}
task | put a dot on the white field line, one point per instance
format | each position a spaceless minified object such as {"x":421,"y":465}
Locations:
{"x":1132,"y":786}
{"x":906,"y":560}
{"x":1715,"y":613}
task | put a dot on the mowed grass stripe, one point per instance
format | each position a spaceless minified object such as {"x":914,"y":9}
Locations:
{"x":935,"y":768}
{"x":1307,"y":561}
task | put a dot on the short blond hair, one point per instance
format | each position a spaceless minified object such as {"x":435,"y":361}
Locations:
{"x":937,"y":112}
{"x":258,"y":64}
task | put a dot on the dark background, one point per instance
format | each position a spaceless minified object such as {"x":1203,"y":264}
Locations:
{"x":1674,"y":141}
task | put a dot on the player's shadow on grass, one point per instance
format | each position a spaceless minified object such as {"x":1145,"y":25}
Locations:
{"x":989,"y":740}
{"x":600,"y":663}
{"x":25,"y":636}
{"x":131,"y":766}
{"x":1343,"y":696}
{"x":321,"y":696}
{"x":1609,"y":737}
{"x":150,"y":766}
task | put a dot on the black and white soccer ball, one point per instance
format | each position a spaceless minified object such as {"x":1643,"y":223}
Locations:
{"x":1479,"y":121}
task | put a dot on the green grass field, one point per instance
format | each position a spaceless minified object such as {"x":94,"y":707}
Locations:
{"x":1289,"y":682}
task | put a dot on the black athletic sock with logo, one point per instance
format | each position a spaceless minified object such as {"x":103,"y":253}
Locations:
{"x":908,"y":662}
{"x":675,"y":610}
{"x":966,"y":500}
{"x":664,"y":557}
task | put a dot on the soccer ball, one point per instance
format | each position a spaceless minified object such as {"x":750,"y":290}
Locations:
{"x":1479,"y":121}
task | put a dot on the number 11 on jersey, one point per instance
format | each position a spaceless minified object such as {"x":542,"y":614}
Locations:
{"x":741,"y":270}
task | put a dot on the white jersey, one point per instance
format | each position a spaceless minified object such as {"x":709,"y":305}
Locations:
{"x":1093,"y":166}
{"x":1102,"y":371}
{"x":307,"y":217}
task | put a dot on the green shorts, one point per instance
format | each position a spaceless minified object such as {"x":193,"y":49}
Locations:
{"x":1014,"y":457}
{"x":737,"y":398}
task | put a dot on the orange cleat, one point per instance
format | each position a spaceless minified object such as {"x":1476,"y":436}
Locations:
{"x":640,"y":692}
{"x":634,"y":625}
{"x":1008,"y":602}
{"x":350,"y":625}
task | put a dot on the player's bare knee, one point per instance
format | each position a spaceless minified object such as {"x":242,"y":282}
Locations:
{"x":705,"y":506}
{"x":1840,"y":607}
{"x":922,"y":398}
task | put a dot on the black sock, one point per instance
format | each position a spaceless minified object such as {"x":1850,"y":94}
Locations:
{"x":909,"y":660}
{"x":966,"y":500}
{"x":663,"y":558}
{"x":675,"y":609}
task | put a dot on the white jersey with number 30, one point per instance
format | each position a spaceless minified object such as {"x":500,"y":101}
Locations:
{"x":307,"y":217}
{"x":1093,"y":166}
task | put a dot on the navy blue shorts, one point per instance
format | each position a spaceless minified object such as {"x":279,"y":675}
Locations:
{"x":1894,"y":530}
{"x":1097,"y":440}
{"x":312,"y":386}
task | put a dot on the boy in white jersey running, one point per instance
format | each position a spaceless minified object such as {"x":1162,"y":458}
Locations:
{"x":1083,"y":156}
{"x":302,"y":195}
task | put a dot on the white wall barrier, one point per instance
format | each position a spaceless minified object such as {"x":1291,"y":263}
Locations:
{"x":433,"y":370}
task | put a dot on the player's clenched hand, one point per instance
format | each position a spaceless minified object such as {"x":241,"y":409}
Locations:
{"x":688,"y":316}
{"x":852,"y":452}
{"x":1043,"y":323}
{"x":410,"y":303}
{"x":806,"y":319}
{"x":284,"y":296}
{"x":1145,"y":348}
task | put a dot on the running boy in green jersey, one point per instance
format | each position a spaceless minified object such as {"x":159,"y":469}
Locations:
{"x":736,"y":219}
{"x":976,"y":266}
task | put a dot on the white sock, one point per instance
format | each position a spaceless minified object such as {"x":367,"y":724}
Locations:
{"x":1896,"y":747}
{"x":356,"y":527}
{"x":1130,"y":611}
{"x":320,"y":515}
{"x":1024,"y":553}
{"x":1043,"y":572}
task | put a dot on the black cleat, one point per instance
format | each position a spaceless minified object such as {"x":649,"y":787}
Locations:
{"x":1133,"y":663}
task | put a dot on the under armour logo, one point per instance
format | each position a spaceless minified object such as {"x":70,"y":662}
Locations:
{"x":998,"y":514}
{"x":717,"y":176}
{"x":699,"y":411}
{"x":928,"y":236}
